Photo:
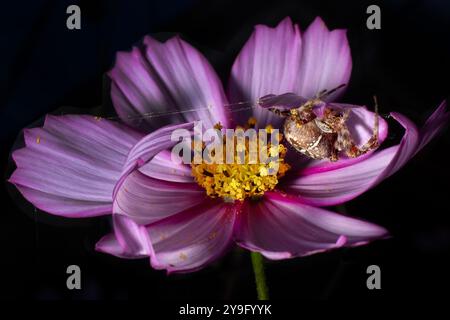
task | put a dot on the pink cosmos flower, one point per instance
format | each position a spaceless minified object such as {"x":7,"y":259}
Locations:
{"x":80,"y":166}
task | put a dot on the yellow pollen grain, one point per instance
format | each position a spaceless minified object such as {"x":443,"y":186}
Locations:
{"x":183,"y":256}
{"x":251,"y":122}
{"x":38,"y":140}
{"x":237,"y":180}
{"x":274,"y":150}
{"x":212,"y":235}
{"x":263,"y":171}
{"x":163,"y":237}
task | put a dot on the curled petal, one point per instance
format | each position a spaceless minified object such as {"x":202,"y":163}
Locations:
{"x":341,"y":184}
{"x":147,"y":200}
{"x":129,"y":240}
{"x":280,"y":227}
{"x":185,"y":242}
{"x":151,"y":145}
{"x":434,"y":124}
{"x":163,"y":168}
{"x":166,"y":83}
{"x":69,"y":166}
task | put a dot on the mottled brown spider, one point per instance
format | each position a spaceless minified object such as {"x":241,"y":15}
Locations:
{"x":326,"y":136}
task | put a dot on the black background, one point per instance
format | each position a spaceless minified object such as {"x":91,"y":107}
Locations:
{"x":45,"y":66}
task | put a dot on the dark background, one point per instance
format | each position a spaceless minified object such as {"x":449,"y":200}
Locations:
{"x":45,"y":66}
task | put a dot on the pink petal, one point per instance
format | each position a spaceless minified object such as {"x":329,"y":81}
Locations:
{"x":69,"y":166}
{"x":280,"y":226}
{"x":267,"y":64}
{"x":64,"y":206}
{"x":135,"y":92}
{"x":341,"y":184}
{"x":192,"y":239}
{"x":326,"y":61}
{"x":147,"y":200}
{"x":171,"y":77}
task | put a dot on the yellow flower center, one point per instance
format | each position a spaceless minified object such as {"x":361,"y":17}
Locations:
{"x":243,"y":177}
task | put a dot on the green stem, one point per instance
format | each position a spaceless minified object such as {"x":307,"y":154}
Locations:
{"x":260,"y":276}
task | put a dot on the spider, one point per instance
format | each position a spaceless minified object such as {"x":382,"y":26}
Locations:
{"x":326,"y":136}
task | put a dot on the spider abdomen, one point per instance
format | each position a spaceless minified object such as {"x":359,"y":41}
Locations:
{"x":309,"y":139}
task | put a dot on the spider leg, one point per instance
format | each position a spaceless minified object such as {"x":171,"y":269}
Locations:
{"x":345,"y":115}
{"x":280,"y":113}
{"x":354,"y":151}
{"x":334,"y":152}
{"x":345,"y":141}
{"x":308,"y":106}
{"x":334,"y":156}
{"x":324,"y":93}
